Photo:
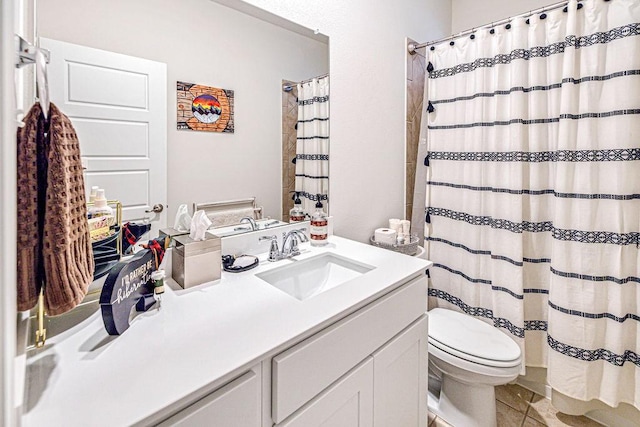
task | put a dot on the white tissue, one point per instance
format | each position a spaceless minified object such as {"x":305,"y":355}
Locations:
{"x":385,"y":235}
{"x":183,"y":220}
{"x":200,"y":223}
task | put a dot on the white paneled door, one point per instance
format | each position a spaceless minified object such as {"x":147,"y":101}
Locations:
{"x":118,"y":106}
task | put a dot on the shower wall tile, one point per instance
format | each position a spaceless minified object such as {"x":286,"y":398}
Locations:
{"x":414,"y":98}
{"x":416,"y":69}
{"x":411,"y":176}
{"x":289,"y":135}
{"x":409,"y":63}
{"x":413,"y":135}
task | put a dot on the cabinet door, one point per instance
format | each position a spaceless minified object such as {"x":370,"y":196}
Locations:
{"x":326,"y":354}
{"x":347,"y":403}
{"x":400,"y":378}
{"x":237,"y":404}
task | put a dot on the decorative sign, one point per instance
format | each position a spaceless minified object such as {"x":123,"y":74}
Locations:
{"x":204,"y":108}
{"x":127,"y":285}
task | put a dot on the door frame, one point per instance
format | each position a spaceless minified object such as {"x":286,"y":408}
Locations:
{"x":16,"y":17}
{"x":8,"y":214}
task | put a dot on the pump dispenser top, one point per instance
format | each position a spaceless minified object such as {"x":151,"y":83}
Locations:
{"x":297,"y":214}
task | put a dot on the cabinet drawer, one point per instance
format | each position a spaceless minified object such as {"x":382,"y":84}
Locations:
{"x":309,"y":367}
{"x":236,"y":404}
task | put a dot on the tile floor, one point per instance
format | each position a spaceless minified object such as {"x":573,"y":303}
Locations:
{"x":519,"y":407}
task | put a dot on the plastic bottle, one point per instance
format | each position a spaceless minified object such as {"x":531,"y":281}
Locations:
{"x":319,"y":226}
{"x":297,"y":214}
{"x":100,"y":208}
{"x":92,"y":196}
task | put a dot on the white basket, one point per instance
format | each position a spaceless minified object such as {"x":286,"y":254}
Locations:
{"x":410,"y":248}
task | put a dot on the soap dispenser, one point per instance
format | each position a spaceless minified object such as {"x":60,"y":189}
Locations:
{"x":297,"y":214}
{"x":319,"y":226}
{"x":100,"y":208}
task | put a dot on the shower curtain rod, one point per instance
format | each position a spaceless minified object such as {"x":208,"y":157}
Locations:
{"x":321,"y":76}
{"x":287,"y":86}
{"x":412,"y":47}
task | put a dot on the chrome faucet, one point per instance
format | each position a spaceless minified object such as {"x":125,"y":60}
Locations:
{"x":293,"y":237}
{"x":251,"y":221}
{"x":275,"y":254}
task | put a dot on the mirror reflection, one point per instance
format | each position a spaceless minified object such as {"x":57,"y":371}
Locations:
{"x":120,"y":93}
{"x":305,"y":145}
{"x":232,"y":217}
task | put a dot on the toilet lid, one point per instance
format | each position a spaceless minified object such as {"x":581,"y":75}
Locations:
{"x":471,"y":336}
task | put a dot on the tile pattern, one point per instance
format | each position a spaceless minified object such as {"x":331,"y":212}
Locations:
{"x":416,"y":68}
{"x":289,"y":135}
{"x":519,"y":407}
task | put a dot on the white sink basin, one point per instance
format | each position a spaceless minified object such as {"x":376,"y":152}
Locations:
{"x":307,"y":278}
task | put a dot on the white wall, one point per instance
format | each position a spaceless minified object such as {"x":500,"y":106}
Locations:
{"x":206,"y":43}
{"x":468,"y":14}
{"x":368,"y":82}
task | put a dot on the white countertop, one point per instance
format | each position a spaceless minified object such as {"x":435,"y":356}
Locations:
{"x":199,"y":339}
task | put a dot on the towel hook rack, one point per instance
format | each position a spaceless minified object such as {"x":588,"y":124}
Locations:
{"x":26,"y":52}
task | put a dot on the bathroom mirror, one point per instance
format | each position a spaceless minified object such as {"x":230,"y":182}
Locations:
{"x":246,"y":50}
{"x":222,"y":44}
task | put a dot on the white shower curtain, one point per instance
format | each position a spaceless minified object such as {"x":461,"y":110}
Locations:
{"x":312,"y":149}
{"x":533,"y":190}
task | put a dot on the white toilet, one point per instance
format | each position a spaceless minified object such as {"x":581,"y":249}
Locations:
{"x":467,"y":359}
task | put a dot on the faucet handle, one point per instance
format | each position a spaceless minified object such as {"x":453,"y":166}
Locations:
{"x":293,"y":247}
{"x":274,"y":252}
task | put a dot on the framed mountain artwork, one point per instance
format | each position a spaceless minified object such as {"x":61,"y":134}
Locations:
{"x":204,"y":108}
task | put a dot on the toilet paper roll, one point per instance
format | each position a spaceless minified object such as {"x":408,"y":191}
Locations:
{"x":385,"y":235}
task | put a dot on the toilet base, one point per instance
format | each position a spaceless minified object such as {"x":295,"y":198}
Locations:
{"x":461,"y":404}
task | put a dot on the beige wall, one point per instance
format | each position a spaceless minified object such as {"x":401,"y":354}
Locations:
{"x":368,"y":106}
{"x":368,"y":79}
{"x":206,"y":43}
{"x":468,"y":14}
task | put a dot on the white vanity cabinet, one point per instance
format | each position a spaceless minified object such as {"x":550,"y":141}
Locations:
{"x":388,"y":334}
{"x":237,"y":404}
{"x":367,"y":369}
{"x":240,"y":352}
{"x":387,"y":389}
